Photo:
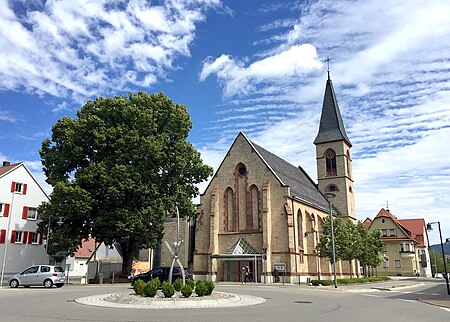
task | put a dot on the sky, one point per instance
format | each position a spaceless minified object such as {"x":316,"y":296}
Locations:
{"x":254,"y":66}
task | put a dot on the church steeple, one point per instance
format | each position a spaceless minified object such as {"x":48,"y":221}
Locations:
{"x":334,"y":163}
{"x":331,"y":125}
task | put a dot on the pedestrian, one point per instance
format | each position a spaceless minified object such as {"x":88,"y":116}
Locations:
{"x":276,"y":275}
{"x":247,"y":274}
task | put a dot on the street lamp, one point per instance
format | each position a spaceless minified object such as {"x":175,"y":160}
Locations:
{"x":429,"y":228}
{"x":50,"y":219}
{"x":329,"y":196}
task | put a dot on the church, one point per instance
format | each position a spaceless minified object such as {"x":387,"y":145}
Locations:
{"x":262,"y":212}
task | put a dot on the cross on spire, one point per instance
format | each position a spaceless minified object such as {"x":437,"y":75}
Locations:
{"x":328,"y":65}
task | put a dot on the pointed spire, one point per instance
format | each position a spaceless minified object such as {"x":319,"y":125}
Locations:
{"x":331,"y":125}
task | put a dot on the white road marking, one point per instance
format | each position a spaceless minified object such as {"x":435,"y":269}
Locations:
{"x":371,"y":295}
{"x":445,"y":309}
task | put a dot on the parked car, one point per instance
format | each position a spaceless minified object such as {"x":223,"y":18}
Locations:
{"x":439,"y":275}
{"x":162,"y":273}
{"x":39,"y":275}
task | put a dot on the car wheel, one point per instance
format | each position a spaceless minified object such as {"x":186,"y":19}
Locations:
{"x":59,"y":285}
{"x":48,"y":283}
{"x":14,"y":283}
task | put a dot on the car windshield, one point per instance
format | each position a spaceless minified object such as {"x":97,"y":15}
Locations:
{"x":59,"y":269}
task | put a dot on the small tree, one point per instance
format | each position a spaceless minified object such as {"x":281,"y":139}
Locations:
{"x":369,"y":252}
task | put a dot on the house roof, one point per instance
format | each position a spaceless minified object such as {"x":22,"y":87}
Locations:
{"x":412,"y":228}
{"x":331,"y":125}
{"x":416,"y":227}
{"x":7,"y":168}
{"x":367,"y":222}
{"x":86,"y":249}
{"x":302,"y":186}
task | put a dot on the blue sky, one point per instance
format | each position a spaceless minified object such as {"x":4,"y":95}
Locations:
{"x":251,"y":66}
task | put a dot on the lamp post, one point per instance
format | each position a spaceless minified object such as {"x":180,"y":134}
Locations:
{"x":429,"y":227}
{"x":329,"y":196}
{"x":50,"y":219}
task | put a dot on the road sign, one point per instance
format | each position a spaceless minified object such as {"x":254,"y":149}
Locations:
{"x":281,"y":267}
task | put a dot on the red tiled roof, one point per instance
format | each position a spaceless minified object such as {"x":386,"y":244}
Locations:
{"x":5,"y":169}
{"x":86,"y":249}
{"x":412,"y":228}
{"x":417,"y":227}
{"x":367,"y":222}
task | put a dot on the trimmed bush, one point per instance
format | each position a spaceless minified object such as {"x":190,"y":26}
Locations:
{"x":191,"y":283}
{"x":321,"y":282}
{"x":178,"y":284}
{"x":210,"y":286}
{"x":201,"y":289}
{"x":167,"y":289}
{"x":157,"y":282}
{"x":150,"y":289}
{"x":186,"y":290}
{"x":138,"y":287}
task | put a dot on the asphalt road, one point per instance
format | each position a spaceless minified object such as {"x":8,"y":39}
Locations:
{"x":284,"y":303}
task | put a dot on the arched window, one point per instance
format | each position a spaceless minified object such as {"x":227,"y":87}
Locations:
{"x":254,"y":216}
{"x":330,"y":159}
{"x":331,"y":188}
{"x":229,"y":210}
{"x":300,"y":228}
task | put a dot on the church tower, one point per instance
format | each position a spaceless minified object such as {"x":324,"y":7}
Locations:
{"x":334,"y":163}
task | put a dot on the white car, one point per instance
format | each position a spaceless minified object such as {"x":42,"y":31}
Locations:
{"x":39,"y":275}
{"x":439,"y":275}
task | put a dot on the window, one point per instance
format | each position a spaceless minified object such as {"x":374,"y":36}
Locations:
{"x":398,"y":264}
{"x":300,"y":228}
{"x":45,"y":269}
{"x":242,"y":170}
{"x":392,"y":232}
{"x":331,"y":188}
{"x":18,"y":236}
{"x":18,"y":187}
{"x":349,"y":167}
{"x":384,"y":249}
{"x":4,"y":209}
{"x":34,"y":238}
{"x":32,"y":213}
{"x":383,"y":232}
{"x":229,"y":210}
{"x":330,"y":159}
{"x":30,"y":270}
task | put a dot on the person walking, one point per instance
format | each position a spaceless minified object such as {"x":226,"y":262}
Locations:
{"x":276,"y":275}
{"x":247,"y":274}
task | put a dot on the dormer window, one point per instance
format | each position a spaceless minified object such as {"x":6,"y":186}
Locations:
{"x":330,"y":159}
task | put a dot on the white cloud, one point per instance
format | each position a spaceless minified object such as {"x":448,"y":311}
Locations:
{"x":78,"y":49}
{"x":238,"y":79}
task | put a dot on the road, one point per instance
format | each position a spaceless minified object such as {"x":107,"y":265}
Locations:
{"x":284,"y":303}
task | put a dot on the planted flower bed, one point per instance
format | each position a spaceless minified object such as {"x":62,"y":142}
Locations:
{"x":154,"y":288}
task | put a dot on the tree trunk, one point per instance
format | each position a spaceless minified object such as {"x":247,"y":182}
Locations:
{"x":128,"y":254}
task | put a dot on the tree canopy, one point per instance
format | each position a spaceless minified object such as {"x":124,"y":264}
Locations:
{"x":352,"y":241}
{"x":117,"y":169}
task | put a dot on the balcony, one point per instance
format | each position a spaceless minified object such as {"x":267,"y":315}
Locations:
{"x":407,"y":254}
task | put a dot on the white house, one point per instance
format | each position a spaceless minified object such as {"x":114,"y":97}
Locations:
{"x":20,"y":195}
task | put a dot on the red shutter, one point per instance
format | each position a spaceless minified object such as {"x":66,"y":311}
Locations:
{"x":13,"y":186}
{"x":6,"y":211}
{"x":25,"y":212}
{"x":30,"y":237}
{"x":25,"y":236}
{"x":13,"y":236}
{"x":24,"y":190}
{"x":2,"y":236}
{"x":41,"y":238}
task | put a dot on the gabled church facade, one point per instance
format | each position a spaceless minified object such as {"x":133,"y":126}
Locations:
{"x":261,"y":211}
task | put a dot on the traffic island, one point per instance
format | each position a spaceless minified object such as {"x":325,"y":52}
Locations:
{"x":130,"y":300}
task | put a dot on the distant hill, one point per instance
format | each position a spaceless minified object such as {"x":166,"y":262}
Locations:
{"x":437,"y":248}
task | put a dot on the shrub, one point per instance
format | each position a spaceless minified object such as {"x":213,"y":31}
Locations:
{"x":167,"y":289}
{"x":186,"y":290}
{"x":210,"y":287}
{"x":321,"y":282}
{"x":200,"y":288}
{"x":157,"y":282}
{"x":191,"y":283}
{"x":150,"y":289}
{"x":178,"y":284}
{"x":138,"y":287}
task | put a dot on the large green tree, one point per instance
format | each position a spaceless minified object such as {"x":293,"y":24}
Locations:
{"x":351,"y":241}
{"x":116,"y":170}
